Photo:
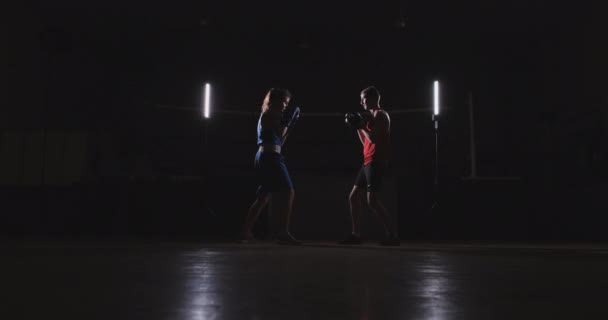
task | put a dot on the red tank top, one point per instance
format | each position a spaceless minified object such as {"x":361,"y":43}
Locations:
{"x":379,"y":151}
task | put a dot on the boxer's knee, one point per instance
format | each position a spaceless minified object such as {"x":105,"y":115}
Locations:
{"x":373,"y":200}
{"x":263,"y":197}
{"x":355,"y":196}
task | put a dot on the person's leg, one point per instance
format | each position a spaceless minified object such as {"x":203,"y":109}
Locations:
{"x":252,"y":215}
{"x":262,"y":197}
{"x":285,"y":206}
{"x":375,"y":175}
{"x":284,"y":200}
{"x":355,"y":202}
{"x":377,"y":207}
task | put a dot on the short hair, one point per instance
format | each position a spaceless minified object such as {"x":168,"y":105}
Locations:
{"x":371,"y":92}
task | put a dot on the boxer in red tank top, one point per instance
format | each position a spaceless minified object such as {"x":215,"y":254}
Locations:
{"x":375,"y":137}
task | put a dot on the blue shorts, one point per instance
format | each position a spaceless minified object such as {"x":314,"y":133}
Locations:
{"x":272,"y":172}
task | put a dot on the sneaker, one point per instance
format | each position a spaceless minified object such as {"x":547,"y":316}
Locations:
{"x":287,"y":238}
{"x":247,"y":239}
{"x":351,"y":240}
{"x":391,"y":240}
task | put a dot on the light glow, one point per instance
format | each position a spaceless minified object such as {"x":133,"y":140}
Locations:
{"x":207,"y":101}
{"x":436,"y":98}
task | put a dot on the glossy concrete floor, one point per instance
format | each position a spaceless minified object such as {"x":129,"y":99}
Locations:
{"x":154,"y":280}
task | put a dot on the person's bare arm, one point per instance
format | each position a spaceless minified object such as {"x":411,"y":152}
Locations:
{"x":278,"y":128}
{"x":273,"y":121}
{"x":284,"y":135}
{"x":379,"y":124}
{"x":361,"y":135}
{"x":289,"y":117}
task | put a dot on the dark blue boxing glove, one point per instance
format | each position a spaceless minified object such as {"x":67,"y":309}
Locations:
{"x":290,"y":116}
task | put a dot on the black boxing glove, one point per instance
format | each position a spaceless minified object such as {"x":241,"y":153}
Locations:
{"x":354,"y":120}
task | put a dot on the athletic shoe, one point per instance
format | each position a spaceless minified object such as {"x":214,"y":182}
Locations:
{"x":352,"y":240}
{"x":391,"y":240}
{"x":288,"y":239}
{"x":247,"y":239}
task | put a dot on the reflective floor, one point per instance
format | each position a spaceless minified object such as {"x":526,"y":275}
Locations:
{"x":156,"y":280}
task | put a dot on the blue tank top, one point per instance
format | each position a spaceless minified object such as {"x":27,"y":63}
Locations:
{"x":267,"y":135}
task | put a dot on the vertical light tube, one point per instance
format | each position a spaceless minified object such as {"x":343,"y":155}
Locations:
{"x":207,"y":101}
{"x":436,"y":98}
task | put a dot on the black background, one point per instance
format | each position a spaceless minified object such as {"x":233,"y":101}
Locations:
{"x":126,"y":79}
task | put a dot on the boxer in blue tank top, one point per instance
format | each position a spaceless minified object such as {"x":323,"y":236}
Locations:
{"x":273,"y":127}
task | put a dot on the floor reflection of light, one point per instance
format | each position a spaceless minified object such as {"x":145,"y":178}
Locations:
{"x":433,"y":289}
{"x":201,"y":298}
